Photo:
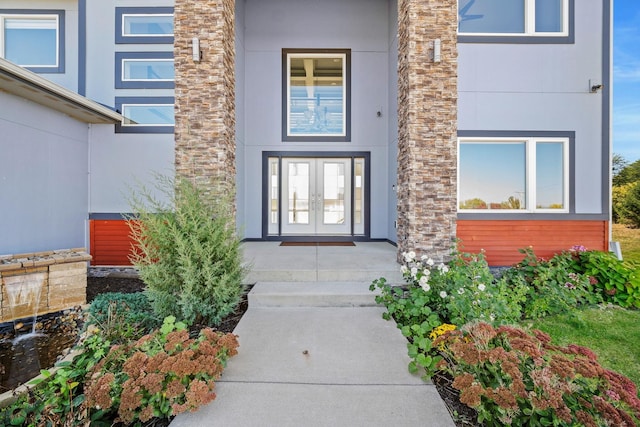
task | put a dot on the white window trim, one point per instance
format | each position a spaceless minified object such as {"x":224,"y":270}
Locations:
{"x":530,"y":23}
{"x":343,"y":56}
{"x":530,"y":173}
{"x":132,"y":125}
{"x":126,"y":15}
{"x":3,"y":17}
{"x":124,"y":60}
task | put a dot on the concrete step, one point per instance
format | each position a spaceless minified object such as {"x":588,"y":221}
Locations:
{"x":311,"y":294}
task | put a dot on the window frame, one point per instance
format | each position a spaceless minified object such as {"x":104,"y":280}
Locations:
{"x":58,"y":15}
{"x":288,"y":53}
{"x":529,"y":36}
{"x":122,"y":101}
{"x":530,"y":169}
{"x":122,"y":38}
{"x":122,"y":83}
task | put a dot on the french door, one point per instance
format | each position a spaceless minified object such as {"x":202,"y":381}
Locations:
{"x":316,"y":196}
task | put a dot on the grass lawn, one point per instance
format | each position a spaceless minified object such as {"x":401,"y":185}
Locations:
{"x":629,"y":239}
{"x":611,"y":332}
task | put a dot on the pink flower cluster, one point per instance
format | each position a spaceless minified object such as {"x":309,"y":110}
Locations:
{"x":506,"y":373}
{"x":173,"y":371}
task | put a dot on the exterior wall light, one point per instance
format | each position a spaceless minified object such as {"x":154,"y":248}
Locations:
{"x":195,"y":52}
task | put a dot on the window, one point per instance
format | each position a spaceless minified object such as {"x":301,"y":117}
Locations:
{"x":151,"y":114}
{"x":513,"y":175}
{"x":144,"y":70}
{"x":144,"y":25}
{"x":316,"y":95}
{"x":513,"y":17}
{"x":33,"y":39}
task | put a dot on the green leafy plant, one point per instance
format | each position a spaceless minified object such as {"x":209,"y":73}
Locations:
{"x":57,"y":397}
{"x":187,"y":252}
{"x":555,"y":285}
{"x":620,"y":281}
{"x":160,"y":375}
{"x":511,"y":377}
{"x":122,"y":317}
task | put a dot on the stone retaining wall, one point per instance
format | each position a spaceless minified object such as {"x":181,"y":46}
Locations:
{"x":60,"y":275}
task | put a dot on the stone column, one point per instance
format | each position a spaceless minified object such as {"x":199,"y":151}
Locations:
{"x":427,"y":123}
{"x":205,"y":93}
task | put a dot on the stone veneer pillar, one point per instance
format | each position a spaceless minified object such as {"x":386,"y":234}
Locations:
{"x":427,"y":123}
{"x":205,"y":93}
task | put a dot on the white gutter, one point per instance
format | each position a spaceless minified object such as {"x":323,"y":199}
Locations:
{"x":26,"y":84}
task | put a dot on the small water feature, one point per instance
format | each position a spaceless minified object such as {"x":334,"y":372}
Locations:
{"x":24,"y":353}
{"x":38,"y":322}
{"x":24,"y":298}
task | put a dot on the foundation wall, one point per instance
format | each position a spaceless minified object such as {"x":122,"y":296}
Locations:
{"x":59,"y":277}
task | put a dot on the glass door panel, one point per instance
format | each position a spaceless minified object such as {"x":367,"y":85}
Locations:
{"x":316,"y":196}
{"x":334,"y":196}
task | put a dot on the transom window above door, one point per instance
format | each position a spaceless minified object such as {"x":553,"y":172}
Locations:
{"x":513,"y":17}
{"x":316,"y":95}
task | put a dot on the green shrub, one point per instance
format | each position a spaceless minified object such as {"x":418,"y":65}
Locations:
{"x":620,"y":281}
{"x":619,"y":195}
{"x":511,"y":377}
{"x":161,"y":375}
{"x":122,"y":317}
{"x":631,"y":206}
{"x":188,"y":253}
{"x":463,"y":291}
{"x":555,"y":286}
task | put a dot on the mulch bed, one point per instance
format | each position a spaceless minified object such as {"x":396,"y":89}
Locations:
{"x":125,"y":285}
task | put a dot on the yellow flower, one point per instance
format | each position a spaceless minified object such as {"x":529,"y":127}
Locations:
{"x":441,"y":330}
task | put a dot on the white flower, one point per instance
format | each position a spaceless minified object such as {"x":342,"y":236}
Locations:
{"x":424,"y":280}
{"x":414,"y":271}
{"x":423,"y":257}
{"x":426,"y":272}
{"x":461,"y":291}
{"x":430,"y":262}
{"x":443,"y":268}
{"x":443,"y":294}
{"x":492,"y":317}
{"x":481,"y":287}
{"x":425,"y":287}
{"x":404,"y":269}
{"x":409,"y":256}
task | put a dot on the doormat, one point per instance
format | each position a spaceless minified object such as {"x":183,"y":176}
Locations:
{"x":317,"y":244}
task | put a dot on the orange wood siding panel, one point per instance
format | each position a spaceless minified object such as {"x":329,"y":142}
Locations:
{"x":110,"y":242}
{"x":501,"y":239}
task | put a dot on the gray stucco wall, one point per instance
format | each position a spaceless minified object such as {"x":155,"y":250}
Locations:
{"x":240,"y":117}
{"x":362,"y":26}
{"x":43,"y":178}
{"x":119,"y":162}
{"x":543,"y":87}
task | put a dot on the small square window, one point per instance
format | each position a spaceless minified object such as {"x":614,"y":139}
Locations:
{"x":144,"y":25}
{"x":146,"y":114}
{"x":316,"y":95}
{"x":33,"y":40}
{"x":144,"y":70}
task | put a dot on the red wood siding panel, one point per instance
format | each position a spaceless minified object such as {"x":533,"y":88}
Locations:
{"x":110,"y":242}
{"x":501,"y":239}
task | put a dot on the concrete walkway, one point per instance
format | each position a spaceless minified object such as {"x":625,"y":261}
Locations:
{"x":318,"y":353}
